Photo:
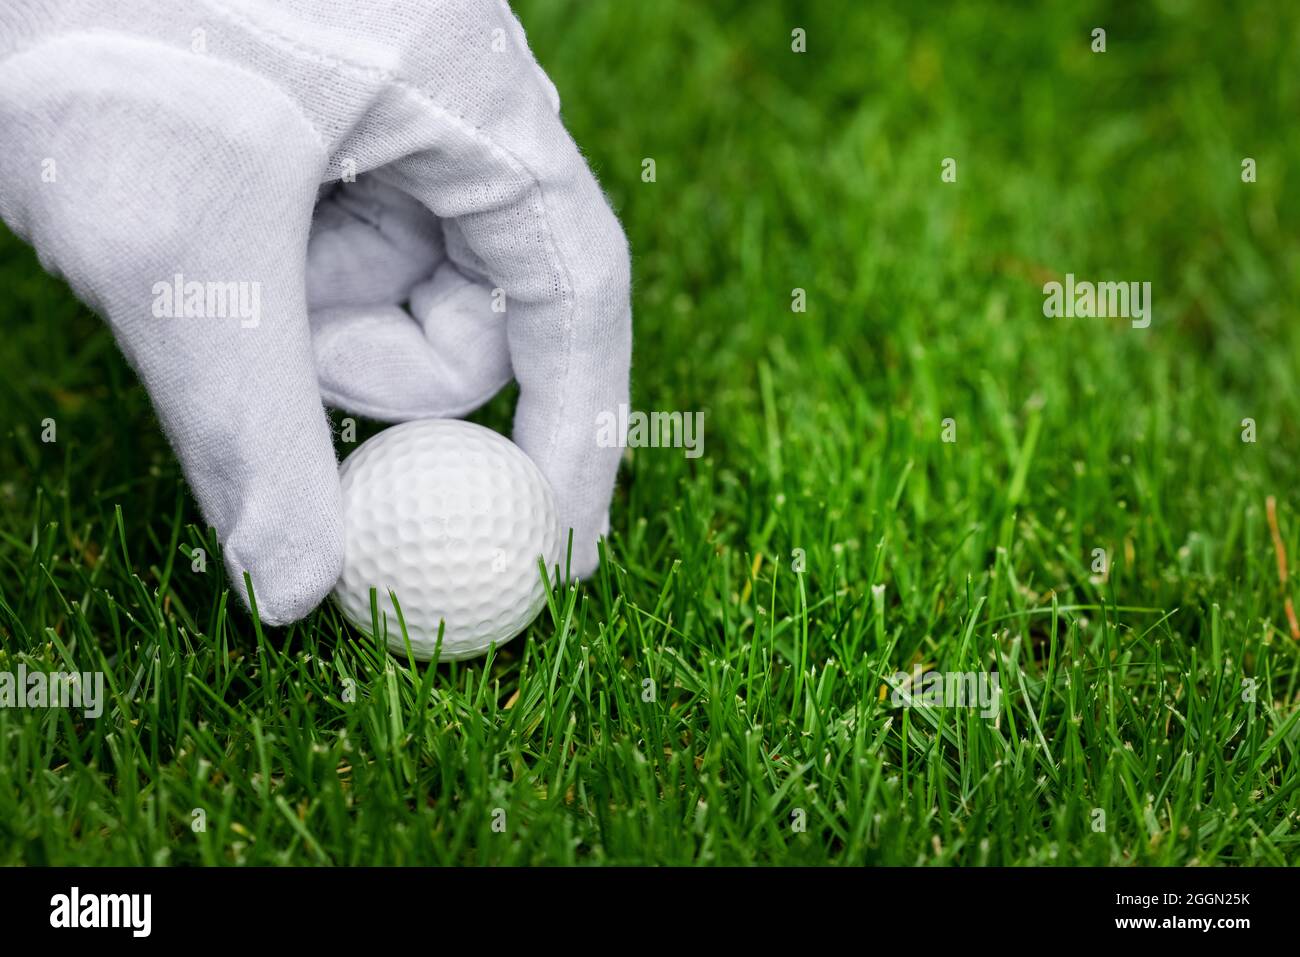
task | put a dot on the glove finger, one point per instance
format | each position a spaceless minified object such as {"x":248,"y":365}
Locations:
{"x":370,"y":244}
{"x":533,"y":215}
{"x":381,"y":362}
{"x":461,"y":254}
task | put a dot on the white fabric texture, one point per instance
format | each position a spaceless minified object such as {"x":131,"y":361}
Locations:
{"x":215,"y":140}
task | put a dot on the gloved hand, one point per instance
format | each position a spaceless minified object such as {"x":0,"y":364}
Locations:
{"x":181,"y":163}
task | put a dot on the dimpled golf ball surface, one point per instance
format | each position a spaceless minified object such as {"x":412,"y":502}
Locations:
{"x":452,"y":517}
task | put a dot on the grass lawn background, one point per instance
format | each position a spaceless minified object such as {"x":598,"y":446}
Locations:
{"x":1123,"y":704}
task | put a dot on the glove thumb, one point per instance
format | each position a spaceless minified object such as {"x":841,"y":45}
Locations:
{"x":179,"y":209}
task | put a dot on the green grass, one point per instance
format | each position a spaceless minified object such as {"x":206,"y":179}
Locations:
{"x":774,"y":171}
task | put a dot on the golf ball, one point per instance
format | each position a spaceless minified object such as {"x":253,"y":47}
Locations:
{"x":452,"y":518}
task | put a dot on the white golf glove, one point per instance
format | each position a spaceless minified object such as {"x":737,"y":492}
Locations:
{"x":155,"y":146}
